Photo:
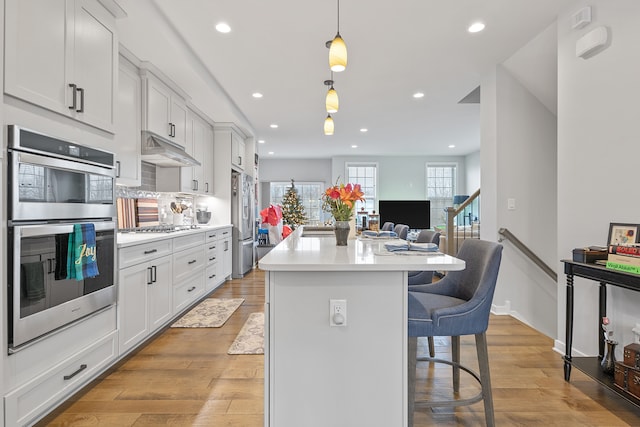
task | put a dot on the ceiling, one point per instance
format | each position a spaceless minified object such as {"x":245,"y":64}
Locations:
{"x":396,"y":48}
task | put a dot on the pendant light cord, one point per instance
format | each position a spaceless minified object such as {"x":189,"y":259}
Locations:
{"x":338,"y":17}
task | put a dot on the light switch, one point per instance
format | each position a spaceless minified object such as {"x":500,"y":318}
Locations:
{"x":511,"y":204}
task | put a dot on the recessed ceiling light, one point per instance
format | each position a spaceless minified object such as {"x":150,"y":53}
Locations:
{"x":418,"y":95}
{"x":270,"y":153}
{"x":452,"y":146}
{"x":256,"y":95}
{"x":261,"y":141}
{"x":363,"y":130}
{"x":223,"y":27}
{"x":273,"y":126}
{"x":354,"y":146}
{"x":476,"y":27}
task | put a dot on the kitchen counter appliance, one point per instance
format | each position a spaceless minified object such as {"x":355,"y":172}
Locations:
{"x":242,"y":195}
{"x":54,"y":184}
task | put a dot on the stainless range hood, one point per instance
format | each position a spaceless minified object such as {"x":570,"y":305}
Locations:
{"x":162,"y":152}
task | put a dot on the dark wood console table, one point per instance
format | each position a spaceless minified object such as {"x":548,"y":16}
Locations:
{"x":605,"y":276}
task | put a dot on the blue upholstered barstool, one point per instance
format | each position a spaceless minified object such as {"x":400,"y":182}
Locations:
{"x":459,"y":304}
{"x":424,"y":277}
{"x":387,"y":226}
{"x":401,"y":230}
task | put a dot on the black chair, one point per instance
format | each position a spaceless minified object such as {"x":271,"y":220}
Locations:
{"x":401,"y":230}
{"x":459,"y":304}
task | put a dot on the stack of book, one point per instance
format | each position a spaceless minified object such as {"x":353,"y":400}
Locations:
{"x":624,"y":258}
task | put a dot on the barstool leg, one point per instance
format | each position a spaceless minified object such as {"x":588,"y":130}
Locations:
{"x":412,"y":353}
{"x":483,"y":363}
{"x":455,"y":357}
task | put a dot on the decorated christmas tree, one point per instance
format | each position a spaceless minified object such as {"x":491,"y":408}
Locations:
{"x":292,"y":210}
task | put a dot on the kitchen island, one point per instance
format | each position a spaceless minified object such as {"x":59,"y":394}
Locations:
{"x":336,"y":331}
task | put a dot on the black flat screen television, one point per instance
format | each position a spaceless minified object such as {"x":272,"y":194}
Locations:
{"x":414,"y":213}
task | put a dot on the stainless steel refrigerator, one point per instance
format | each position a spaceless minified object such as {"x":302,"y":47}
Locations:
{"x":242,"y":196}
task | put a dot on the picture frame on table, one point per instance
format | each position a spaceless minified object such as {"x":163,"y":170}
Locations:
{"x":623,"y":234}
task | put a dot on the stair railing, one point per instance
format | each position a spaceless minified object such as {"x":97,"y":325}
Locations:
{"x":507,"y":235}
{"x":452,"y":213}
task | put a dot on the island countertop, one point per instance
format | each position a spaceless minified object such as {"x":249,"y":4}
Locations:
{"x":320,"y":253}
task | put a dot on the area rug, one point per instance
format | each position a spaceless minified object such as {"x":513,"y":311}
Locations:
{"x":210,"y":313}
{"x":250,"y":339}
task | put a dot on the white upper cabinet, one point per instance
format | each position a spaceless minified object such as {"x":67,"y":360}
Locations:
{"x":231,"y":141}
{"x":128,"y":126}
{"x":165,"y":110}
{"x":192,"y":179}
{"x":238,"y":155}
{"x":62,"y":55}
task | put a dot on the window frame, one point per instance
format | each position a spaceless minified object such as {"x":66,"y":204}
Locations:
{"x":437,"y":209}
{"x":370,"y":205}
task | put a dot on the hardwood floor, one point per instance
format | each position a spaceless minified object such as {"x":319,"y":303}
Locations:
{"x":184,"y":377}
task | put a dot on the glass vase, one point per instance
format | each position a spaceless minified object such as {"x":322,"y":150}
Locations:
{"x":608,"y":363}
{"x":342,"y":229}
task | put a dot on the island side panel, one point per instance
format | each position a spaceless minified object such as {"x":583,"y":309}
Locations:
{"x":320,"y":375}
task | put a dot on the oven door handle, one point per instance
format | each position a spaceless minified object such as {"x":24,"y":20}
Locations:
{"x":50,"y":229}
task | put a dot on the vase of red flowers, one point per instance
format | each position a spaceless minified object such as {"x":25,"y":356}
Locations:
{"x":340,"y":200}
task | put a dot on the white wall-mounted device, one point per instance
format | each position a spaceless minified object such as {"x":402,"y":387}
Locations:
{"x":581,"y":18}
{"x":592,"y":42}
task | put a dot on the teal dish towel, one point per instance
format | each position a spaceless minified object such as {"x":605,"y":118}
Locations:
{"x":33,"y":279}
{"x":81,"y":253}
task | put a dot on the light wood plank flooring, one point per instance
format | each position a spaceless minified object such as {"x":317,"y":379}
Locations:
{"x":184,"y":377}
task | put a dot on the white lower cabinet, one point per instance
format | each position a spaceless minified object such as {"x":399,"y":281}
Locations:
{"x":144,"y":292}
{"x":188,"y":272}
{"x":34,"y":398}
{"x":224,"y":253}
{"x":212,"y":278}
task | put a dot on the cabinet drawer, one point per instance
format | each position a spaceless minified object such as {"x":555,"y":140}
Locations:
{"x":211,"y":252}
{"x":137,"y":254}
{"x":211,"y":277}
{"x":212,"y":235}
{"x":184,"y":242}
{"x":184,"y":294}
{"x":186,"y":263}
{"x":25,"y":404}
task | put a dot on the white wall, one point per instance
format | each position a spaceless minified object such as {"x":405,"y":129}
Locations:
{"x":598,"y":142}
{"x":525,"y":164}
{"x":472,"y":171}
{"x":401,"y":177}
{"x":318,"y":170}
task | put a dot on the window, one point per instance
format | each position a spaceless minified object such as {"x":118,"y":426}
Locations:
{"x":310,"y":194}
{"x":366,"y":175}
{"x":441,"y":186}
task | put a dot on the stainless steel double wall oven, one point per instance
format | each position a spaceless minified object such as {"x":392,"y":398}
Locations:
{"x":53,"y":184}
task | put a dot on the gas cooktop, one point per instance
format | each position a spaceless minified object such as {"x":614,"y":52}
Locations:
{"x":159,"y":229}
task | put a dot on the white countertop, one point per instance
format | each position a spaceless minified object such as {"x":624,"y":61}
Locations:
{"x":129,"y":239}
{"x":312,"y":253}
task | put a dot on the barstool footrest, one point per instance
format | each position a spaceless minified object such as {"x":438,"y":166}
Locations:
{"x":453,"y":402}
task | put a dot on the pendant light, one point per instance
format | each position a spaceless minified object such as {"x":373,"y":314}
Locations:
{"x":328,"y":125}
{"x":337,"y":50}
{"x":331,"y":100}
